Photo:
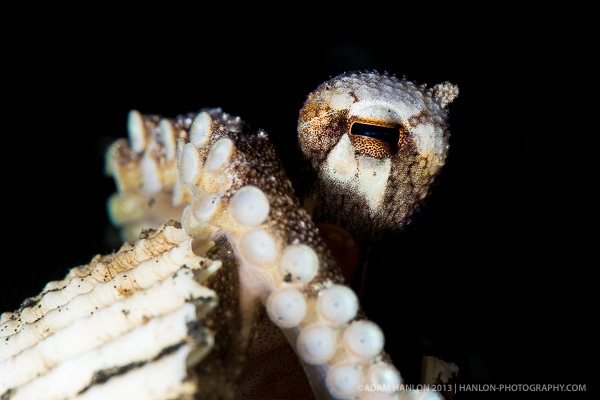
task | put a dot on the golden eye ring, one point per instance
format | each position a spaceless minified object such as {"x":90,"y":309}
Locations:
{"x":377,"y":140}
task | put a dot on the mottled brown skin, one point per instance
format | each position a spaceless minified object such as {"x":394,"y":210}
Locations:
{"x":219,"y":373}
{"x":412,"y":175}
{"x":257,"y":163}
{"x":254,"y":162}
{"x":321,"y":126}
{"x":408,"y":179}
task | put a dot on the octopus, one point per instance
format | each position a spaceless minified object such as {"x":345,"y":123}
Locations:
{"x":232,"y":282}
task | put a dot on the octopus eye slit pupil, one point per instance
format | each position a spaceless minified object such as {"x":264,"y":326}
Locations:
{"x":390,"y":135}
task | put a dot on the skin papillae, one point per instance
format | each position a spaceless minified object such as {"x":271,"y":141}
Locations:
{"x":372,"y":145}
{"x":367,"y":186}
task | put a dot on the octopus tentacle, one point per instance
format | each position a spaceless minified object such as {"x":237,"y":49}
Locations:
{"x":240,"y":187}
{"x":373,"y":144}
{"x":144,"y":168}
{"x":231,"y":183}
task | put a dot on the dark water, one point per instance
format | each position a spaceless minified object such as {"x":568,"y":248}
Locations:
{"x":465,"y":282}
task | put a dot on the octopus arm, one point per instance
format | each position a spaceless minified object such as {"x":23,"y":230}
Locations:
{"x":240,"y":188}
{"x":227,"y":186}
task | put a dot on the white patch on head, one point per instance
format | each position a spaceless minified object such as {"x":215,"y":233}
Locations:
{"x":394,"y":111}
{"x":364,"y":175}
{"x":341,"y":164}
{"x":387,"y":103}
{"x":372,"y":179}
{"x":340,"y":100}
{"x":430,"y":143}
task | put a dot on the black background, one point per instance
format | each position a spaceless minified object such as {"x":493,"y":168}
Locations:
{"x":469,"y":277}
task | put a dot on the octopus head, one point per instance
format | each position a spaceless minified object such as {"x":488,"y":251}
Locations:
{"x":376,"y":144}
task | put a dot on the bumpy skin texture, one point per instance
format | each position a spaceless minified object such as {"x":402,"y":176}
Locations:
{"x":226,"y":182}
{"x":239,"y":194}
{"x":358,"y":179}
{"x":249,"y":167}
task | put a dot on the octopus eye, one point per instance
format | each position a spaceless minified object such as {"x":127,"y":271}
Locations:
{"x":383,"y":133}
{"x":377,"y":141}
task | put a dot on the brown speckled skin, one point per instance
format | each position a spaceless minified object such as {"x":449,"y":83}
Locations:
{"x":320,"y":129}
{"x":255,"y":162}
